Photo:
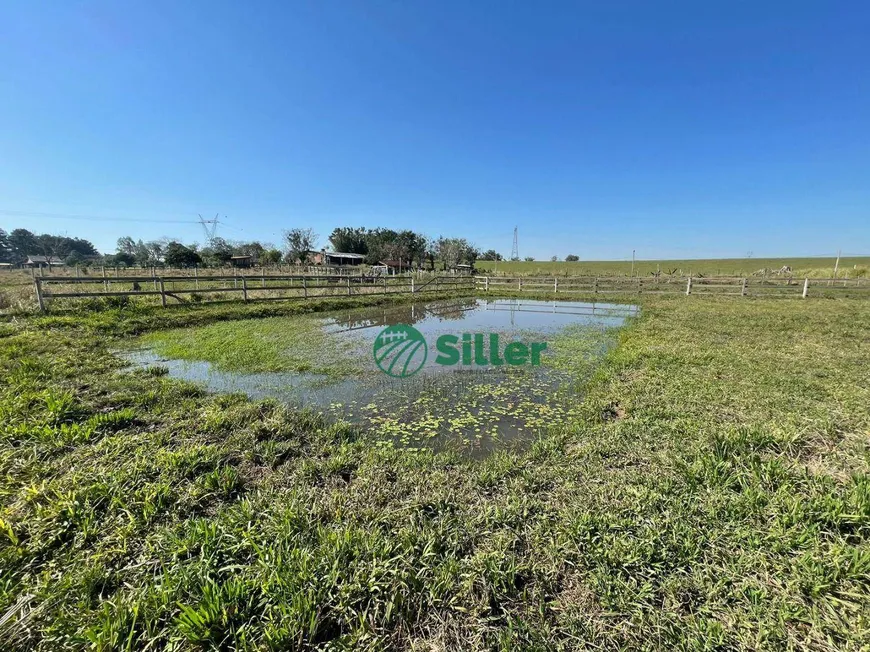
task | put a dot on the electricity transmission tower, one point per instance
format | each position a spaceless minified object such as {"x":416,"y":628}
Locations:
{"x":209,"y":227}
{"x":515,"y":252}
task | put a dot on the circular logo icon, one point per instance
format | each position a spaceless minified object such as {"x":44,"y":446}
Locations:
{"x":400,"y":350}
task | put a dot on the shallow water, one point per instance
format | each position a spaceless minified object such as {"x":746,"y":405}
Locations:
{"x":471,"y":408}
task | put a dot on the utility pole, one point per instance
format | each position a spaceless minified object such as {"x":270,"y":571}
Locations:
{"x":632,"y":263}
{"x":515,"y":251}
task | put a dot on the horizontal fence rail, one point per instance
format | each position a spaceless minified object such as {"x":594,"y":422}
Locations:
{"x":249,"y":287}
{"x":261,"y":286}
{"x":722,"y":286}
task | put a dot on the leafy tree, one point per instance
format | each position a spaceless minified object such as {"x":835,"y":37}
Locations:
{"x":22,"y":243}
{"x":350,"y":240}
{"x":80,"y":246}
{"x":299,"y":244}
{"x":572,"y":258}
{"x":126,"y":245}
{"x":74,"y":258}
{"x":121,"y":259}
{"x":253,"y":249}
{"x":177,"y":255}
{"x":381,"y":244}
{"x":490,"y":254}
{"x":455,"y":251}
{"x":554,"y":258}
{"x":529,"y":259}
{"x":271,"y":257}
{"x":410,"y":246}
{"x":5,"y":249}
{"x":218,"y":252}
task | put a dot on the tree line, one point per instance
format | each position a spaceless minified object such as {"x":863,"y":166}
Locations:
{"x":17,"y":245}
{"x":298,"y":246}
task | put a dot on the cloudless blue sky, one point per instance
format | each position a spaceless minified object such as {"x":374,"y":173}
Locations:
{"x":679,"y":129}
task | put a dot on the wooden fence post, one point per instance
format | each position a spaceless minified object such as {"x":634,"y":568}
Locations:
{"x":385,"y":286}
{"x":245,"y":288}
{"x":520,"y":284}
{"x":304,"y":288}
{"x":555,"y":284}
{"x":806,"y":287}
{"x":196,"y":276}
{"x":486,"y":283}
{"x":689,"y":287}
{"x":38,"y":282}
{"x":743,"y":288}
{"x":348,"y":286}
{"x":162,"y":292}
{"x":412,"y":285}
{"x":105,"y":282}
{"x":595,"y":286}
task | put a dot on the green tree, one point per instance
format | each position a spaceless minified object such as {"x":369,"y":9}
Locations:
{"x":177,"y":255}
{"x":22,"y":244}
{"x":271,"y":257}
{"x":5,"y":249}
{"x":74,"y":258}
{"x":253,"y":249}
{"x":350,"y":240}
{"x":121,"y":259}
{"x":490,"y":254}
{"x":126,"y":245}
{"x":219,"y":252}
{"x":571,"y":258}
{"x":455,"y":251}
{"x":299,"y":243}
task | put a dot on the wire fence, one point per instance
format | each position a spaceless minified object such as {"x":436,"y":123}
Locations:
{"x":722,"y":286}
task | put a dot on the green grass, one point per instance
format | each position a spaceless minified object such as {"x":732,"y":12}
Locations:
{"x":801,"y":267}
{"x":259,"y":345}
{"x":710,"y":493}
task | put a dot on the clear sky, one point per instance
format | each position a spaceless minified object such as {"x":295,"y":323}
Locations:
{"x":679,"y":129}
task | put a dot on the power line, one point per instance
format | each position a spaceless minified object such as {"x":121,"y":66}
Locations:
{"x":90,"y":218}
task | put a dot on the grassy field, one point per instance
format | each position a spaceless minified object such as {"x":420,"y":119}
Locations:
{"x":801,"y":267}
{"x":711,"y":493}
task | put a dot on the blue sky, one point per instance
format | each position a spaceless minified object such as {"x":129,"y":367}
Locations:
{"x":679,"y":129}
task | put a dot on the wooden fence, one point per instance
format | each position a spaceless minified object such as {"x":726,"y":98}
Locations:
{"x":262,"y":286}
{"x":723,"y":286}
{"x":249,"y":286}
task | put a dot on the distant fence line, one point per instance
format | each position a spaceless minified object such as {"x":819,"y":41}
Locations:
{"x":249,"y":286}
{"x":723,"y":286}
{"x":109,"y":271}
{"x":253,"y":287}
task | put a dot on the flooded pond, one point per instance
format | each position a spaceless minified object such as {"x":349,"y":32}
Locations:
{"x":467,"y":374}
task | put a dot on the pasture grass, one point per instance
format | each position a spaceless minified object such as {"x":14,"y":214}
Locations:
{"x":296,"y":343}
{"x":711,"y":493}
{"x":853,"y":267}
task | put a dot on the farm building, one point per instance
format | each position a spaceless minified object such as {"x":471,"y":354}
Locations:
{"x":42,"y":261}
{"x":241,"y":261}
{"x":336,"y":258}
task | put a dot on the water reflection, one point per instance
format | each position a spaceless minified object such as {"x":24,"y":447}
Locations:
{"x":474,"y":409}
